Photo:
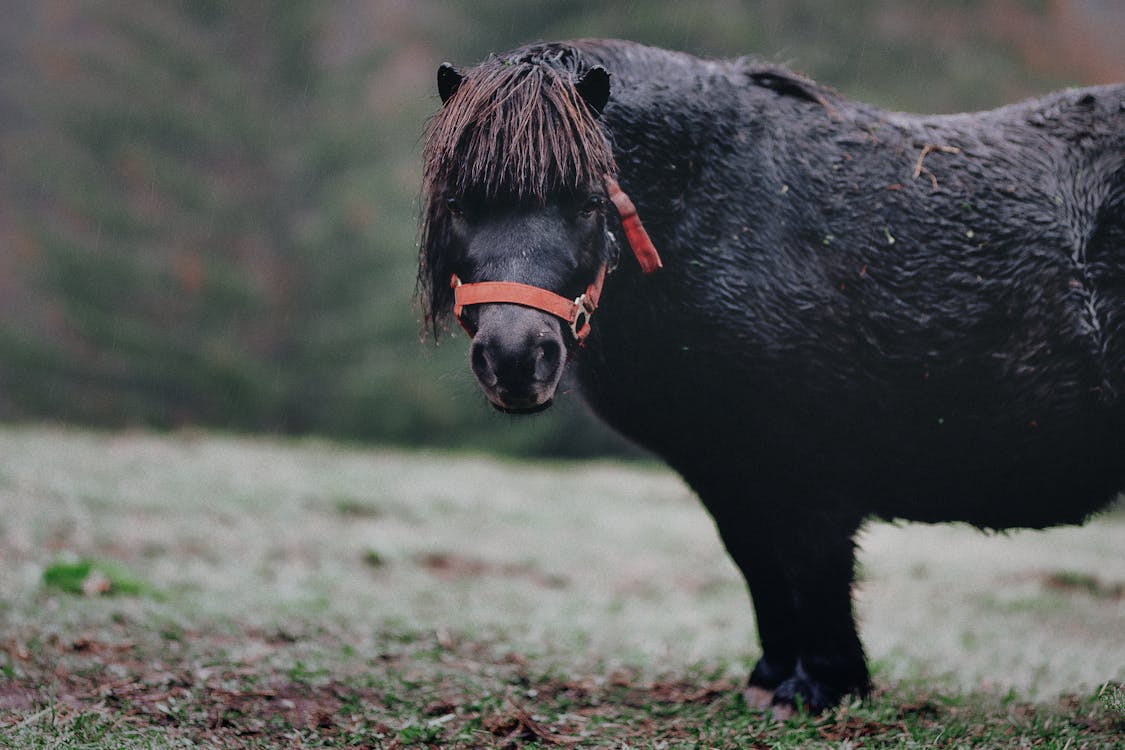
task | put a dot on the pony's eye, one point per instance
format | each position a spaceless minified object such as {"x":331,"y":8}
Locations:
{"x":592,"y":205}
{"x":455,"y":206}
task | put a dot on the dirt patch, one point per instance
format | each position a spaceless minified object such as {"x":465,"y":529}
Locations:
{"x":451,"y":566}
{"x":1083,"y":583}
{"x":15,"y":698}
{"x":224,"y":704}
{"x":411,"y":689}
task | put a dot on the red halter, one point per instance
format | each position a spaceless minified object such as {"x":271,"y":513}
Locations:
{"x":575,"y":313}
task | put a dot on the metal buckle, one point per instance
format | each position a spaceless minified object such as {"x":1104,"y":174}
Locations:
{"x":614,"y":252}
{"x":580,"y":318}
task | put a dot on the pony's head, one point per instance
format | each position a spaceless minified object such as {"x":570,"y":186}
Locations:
{"x":515,"y":191}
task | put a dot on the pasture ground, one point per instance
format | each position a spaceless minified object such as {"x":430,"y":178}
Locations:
{"x":246,"y":593}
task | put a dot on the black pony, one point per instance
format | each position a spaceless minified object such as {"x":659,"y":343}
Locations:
{"x":861,"y":313}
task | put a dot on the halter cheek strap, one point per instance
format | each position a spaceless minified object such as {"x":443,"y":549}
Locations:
{"x":643,"y":249}
{"x":576,"y":313}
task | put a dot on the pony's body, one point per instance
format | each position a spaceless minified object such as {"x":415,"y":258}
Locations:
{"x":860,"y":313}
{"x":829,"y":318}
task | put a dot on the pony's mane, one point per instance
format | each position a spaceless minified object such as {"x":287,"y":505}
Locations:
{"x":516,"y":128}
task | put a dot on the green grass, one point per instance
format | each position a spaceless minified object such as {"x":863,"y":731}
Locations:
{"x":302,"y":594}
{"x":476,"y":693}
{"x":95,"y":577}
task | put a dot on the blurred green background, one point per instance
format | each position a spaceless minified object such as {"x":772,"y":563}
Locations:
{"x":208,"y":210}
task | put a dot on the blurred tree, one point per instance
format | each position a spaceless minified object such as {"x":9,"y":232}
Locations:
{"x":188,"y":205}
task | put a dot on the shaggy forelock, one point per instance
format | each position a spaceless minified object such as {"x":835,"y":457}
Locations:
{"x":515,"y":127}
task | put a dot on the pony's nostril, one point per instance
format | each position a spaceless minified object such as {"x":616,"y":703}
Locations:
{"x":547,"y":358}
{"x":482,"y":365}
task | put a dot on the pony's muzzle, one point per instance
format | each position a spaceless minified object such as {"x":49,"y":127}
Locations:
{"x":517,"y":356}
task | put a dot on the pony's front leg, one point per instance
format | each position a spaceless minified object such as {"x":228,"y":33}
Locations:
{"x":820,"y":567}
{"x":750,"y":545}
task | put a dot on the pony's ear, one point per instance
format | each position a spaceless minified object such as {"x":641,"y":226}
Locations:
{"x":448,"y":81}
{"x":594,"y":88}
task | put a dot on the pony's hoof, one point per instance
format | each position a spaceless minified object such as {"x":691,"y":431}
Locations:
{"x":801,"y":692}
{"x":782,"y":712}
{"x":758,"y":697}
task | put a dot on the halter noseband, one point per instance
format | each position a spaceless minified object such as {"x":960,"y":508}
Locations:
{"x":576,"y":313}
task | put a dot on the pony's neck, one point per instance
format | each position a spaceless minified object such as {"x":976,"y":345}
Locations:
{"x":675,"y":121}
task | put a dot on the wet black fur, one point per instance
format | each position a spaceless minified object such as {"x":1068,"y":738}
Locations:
{"x":862,"y":314}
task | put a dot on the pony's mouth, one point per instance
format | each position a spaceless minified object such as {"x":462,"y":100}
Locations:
{"x":521,"y":410}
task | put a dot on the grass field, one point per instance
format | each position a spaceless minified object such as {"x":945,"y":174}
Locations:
{"x":198,"y":591}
